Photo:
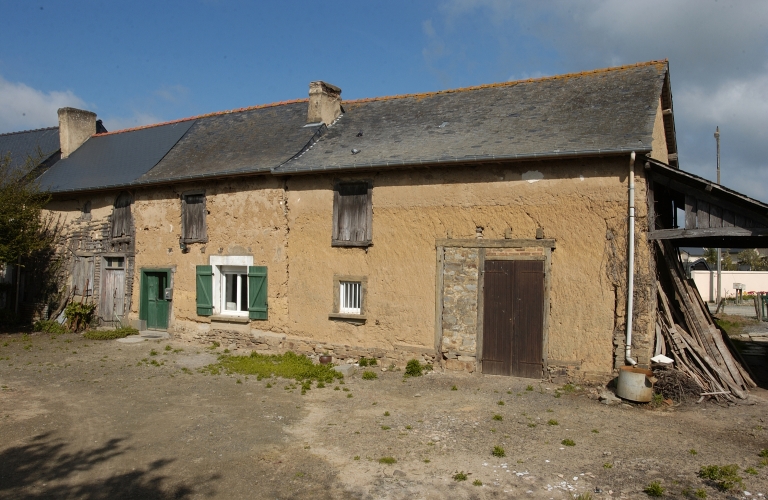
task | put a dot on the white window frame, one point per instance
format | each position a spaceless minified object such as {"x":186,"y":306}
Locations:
{"x":350,"y":297}
{"x":222,"y":265}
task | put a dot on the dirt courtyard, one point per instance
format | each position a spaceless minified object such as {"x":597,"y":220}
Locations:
{"x":102,"y":419}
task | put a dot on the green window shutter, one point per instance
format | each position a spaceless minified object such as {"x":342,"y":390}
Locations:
{"x":257,"y":292}
{"x":204,"y":290}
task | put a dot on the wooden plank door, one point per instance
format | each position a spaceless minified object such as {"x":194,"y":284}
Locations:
{"x":112,"y":302}
{"x":497,"y":317}
{"x":513,"y":318}
{"x":528,"y":322}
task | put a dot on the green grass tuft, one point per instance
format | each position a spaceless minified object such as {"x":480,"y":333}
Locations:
{"x":369,"y":375}
{"x":552,"y":421}
{"x":498,"y":417}
{"x":477,"y":482}
{"x":654,"y":489}
{"x":498,"y":451}
{"x":460,"y":476}
{"x":388,"y":460}
{"x":49,"y":326}
{"x":725,"y":477}
{"x":568,"y":442}
{"x":288,"y":365}
{"x":117,"y":333}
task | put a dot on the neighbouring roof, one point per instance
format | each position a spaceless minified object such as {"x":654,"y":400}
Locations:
{"x":607,"y":111}
{"x":38,"y":144}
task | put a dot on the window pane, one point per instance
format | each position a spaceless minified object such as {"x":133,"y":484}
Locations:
{"x":243,"y":292}
{"x":231,"y":292}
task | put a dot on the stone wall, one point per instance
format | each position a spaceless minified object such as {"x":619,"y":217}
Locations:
{"x":460,"y":280}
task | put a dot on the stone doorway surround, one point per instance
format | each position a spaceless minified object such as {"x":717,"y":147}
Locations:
{"x":459,"y":295}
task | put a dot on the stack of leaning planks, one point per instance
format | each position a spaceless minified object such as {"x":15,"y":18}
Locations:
{"x":686,"y":329}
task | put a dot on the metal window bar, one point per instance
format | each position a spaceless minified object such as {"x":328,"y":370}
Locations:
{"x":350,"y":295}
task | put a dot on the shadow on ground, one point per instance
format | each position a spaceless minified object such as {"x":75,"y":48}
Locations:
{"x":45,"y":469}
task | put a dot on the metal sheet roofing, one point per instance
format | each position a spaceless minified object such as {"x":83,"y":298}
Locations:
{"x":596,"y":112}
{"x":40,"y":143}
{"x":113,"y":160}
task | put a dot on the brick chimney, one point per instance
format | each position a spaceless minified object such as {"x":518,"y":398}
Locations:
{"x":324,"y":102}
{"x":75,"y":127}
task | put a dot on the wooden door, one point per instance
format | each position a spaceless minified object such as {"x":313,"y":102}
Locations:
{"x":513,"y":318}
{"x":154,"y":300}
{"x":112,"y":302}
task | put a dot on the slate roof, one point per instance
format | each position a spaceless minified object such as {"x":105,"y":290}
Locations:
{"x":113,"y":160}
{"x":605,"y":111}
{"x":256,"y":140}
{"x":610,"y":110}
{"x":22,"y":145}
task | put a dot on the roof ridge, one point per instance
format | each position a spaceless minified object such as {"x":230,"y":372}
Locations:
{"x":206,"y":115}
{"x":511,"y":83}
{"x":27,"y":131}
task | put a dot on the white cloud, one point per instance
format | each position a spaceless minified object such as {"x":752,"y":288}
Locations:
{"x":25,"y":108}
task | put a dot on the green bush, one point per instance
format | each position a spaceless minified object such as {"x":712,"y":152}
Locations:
{"x":460,"y":476}
{"x":413,"y":368}
{"x":498,"y":451}
{"x":363,"y":362}
{"x":79,"y":315}
{"x":117,"y":333}
{"x":368,"y":375}
{"x":654,"y":489}
{"x":49,"y":326}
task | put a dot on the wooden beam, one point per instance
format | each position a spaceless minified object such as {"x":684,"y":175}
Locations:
{"x":518,"y":243}
{"x":717,"y":232}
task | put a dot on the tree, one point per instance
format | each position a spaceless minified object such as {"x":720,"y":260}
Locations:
{"x":726,"y":262}
{"x":21,"y":207}
{"x":750,"y":257}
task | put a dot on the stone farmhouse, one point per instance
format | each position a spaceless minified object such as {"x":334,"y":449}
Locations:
{"x":484,"y":229}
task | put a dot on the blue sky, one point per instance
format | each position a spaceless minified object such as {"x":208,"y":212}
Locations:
{"x":139,"y":62}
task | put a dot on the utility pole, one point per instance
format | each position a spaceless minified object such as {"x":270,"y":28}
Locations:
{"x":719,"y":258}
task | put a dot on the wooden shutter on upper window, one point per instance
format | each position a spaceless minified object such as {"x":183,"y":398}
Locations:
{"x":121,"y":216}
{"x":204,"y":279}
{"x":193,"y":218}
{"x":352,"y":214}
{"x":257,"y":292}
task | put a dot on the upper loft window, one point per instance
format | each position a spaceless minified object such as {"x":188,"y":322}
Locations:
{"x":121,"y":216}
{"x":85,"y":213}
{"x":352,"y":214}
{"x":193,"y":212}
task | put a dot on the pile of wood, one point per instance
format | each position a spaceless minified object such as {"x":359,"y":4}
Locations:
{"x":686,"y":332}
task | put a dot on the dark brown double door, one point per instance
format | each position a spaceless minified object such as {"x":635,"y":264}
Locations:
{"x":513,"y":318}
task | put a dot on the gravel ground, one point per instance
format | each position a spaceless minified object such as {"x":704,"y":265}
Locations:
{"x":102,"y":419}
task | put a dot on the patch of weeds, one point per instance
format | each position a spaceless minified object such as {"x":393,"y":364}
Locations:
{"x":500,"y":403}
{"x":408,"y":427}
{"x":700,"y":493}
{"x":357,"y":457}
{"x":693,"y":452}
{"x":531,"y":424}
{"x":48,"y":326}
{"x":117,"y":333}
{"x":168,"y":347}
{"x":388,"y":460}
{"x":493,"y":430}
{"x":763,"y":462}
{"x":155,"y":363}
{"x":550,"y":410}
{"x":426,"y":460}
{"x":657,"y":400}
{"x":226,"y":351}
{"x":498,"y":417}
{"x":477,"y":482}
{"x":654,"y":489}
{"x":584,"y":496}
{"x":763,"y":453}
{"x":385,"y":427}
{"x":239,"y":381}
{"x":557,"y":394}
{"x":386,"y":413}
{"x":498,"y":451}
{"x":509,"y":392}
{"x":288,"y":365}
{"x":454,"y":388}
{"x":349,"y":395}
{"x":595,"y":431}
{"x":153,"y":352}
{"x":369,"y":375}
{"x":552,"y":421}
{"x":341,"y":382}
{"x":416,"y":369}
{"x":337,"y":388}
{"x":460,"y":476}
{"x":299,"y":474}
{"x":607,"y":465}
{"x":751,"y":470}
{"x":346,"y":389}
{"x":725,"y":477}
{"x":214,"y":345}
{"x":568,"y":388}
{"x":529,"y":388}
{"x":567,"y":442}
{"x":321,"y":385}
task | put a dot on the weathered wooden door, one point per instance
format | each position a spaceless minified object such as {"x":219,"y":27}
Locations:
{"x":513,"y":318}
{"x":156,"y":305}
{"x":112,"y":302}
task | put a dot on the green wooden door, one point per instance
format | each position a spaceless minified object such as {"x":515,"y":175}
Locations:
{"x":156,"y":305}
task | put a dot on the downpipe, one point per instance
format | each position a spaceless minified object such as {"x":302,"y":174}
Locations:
{"x":630,"y":262}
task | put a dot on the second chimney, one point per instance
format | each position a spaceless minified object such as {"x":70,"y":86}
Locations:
{"x":324,"y":102}
{"x":75,"y":127}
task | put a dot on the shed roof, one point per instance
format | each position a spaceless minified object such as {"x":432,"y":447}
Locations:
{"x":29,"y":144}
